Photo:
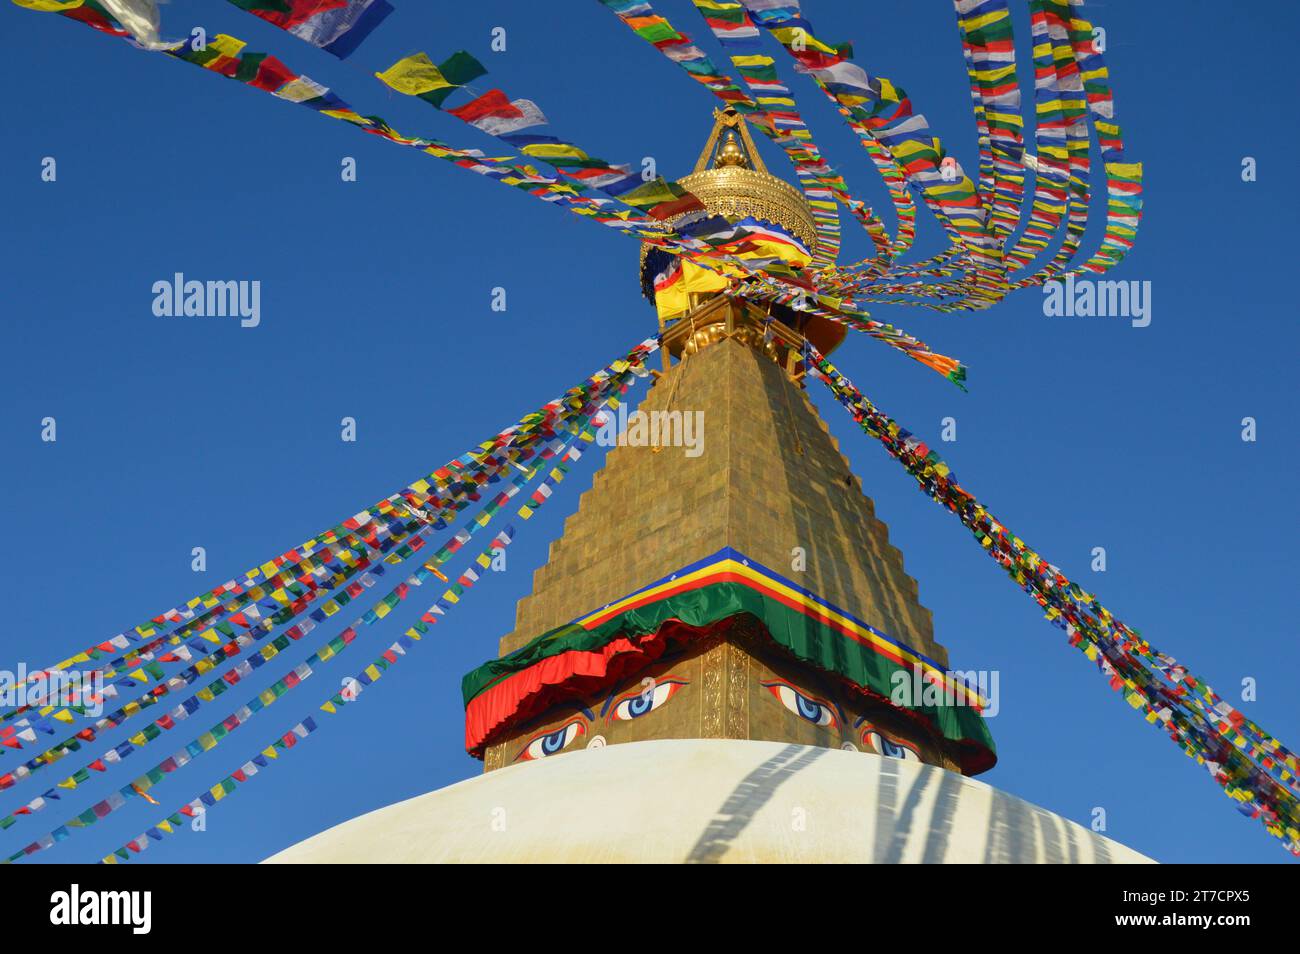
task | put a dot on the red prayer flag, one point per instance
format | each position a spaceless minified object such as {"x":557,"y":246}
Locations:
{"x":492,"y":103}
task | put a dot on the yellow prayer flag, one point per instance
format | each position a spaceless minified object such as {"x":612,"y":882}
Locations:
{"x":414,"y":75}
{"x":549,"y":150}
{"x":226,"y":45}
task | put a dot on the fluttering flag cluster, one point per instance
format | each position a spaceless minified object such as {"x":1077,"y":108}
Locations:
{"x":994,"y":246}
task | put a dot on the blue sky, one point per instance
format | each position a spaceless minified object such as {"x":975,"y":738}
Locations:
{"x":176,"y":433}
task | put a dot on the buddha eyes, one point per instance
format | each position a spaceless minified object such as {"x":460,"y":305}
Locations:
{"x":888,"y":747}
{"x":810,"y":709}
{"x":646,"y":699}
{"x":548,"y":743}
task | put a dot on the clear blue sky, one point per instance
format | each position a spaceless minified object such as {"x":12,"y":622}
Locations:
{"x":176,"y":433}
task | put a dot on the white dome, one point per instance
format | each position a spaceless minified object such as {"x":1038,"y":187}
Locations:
{"x":712,"y":800}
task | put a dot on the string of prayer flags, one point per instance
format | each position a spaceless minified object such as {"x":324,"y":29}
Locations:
{"x":1059,"y":108}
{"x":571,"y":414}
{"x":197,"y":806}
{"x":444,"y":491}
{"x":285,"y":595}
{"x":988,"y":46}
{"x":1253,"y":768}
{"x":354,"y":686}
{"x":233,"y":720}
{"x":366,"y":564}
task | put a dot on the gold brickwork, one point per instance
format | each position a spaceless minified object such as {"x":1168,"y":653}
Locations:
{"x":770,"y":479}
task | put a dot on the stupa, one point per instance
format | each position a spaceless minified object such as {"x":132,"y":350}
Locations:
{"x":723,"y":658}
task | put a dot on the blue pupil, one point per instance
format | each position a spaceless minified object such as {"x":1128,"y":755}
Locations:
{"x":892,"y":749}
{"x":811,"y":711}
{"x":639,"y":705}
{"x":555,"y":741}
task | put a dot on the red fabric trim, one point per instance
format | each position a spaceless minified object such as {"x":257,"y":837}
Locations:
{"x":569,"y":675}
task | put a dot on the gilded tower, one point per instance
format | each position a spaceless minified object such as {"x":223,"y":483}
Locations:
{"x":736,"y":584}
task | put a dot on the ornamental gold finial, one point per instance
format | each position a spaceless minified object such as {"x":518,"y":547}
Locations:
{"x":731,"y":153}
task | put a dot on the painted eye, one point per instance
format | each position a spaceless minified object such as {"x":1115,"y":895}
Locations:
{"x":551,"y":742}
{"x":817,"y":711}
{"x":888,"y":747}
{"x":646,"y":700}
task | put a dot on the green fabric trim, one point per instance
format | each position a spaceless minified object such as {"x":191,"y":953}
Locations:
{"x":809,"y":640}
